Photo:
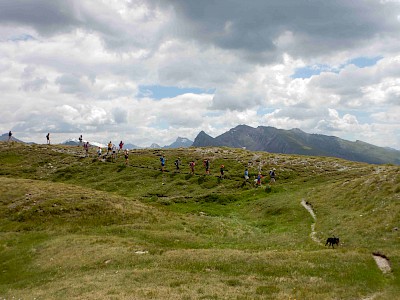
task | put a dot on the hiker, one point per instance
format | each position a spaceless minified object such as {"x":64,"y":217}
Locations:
{"x":177,"y":163}
{"x":246,"y":174}
{"x":206,"y":164}
{"x":114,"y":152}
{"x":272,"y":176}
{"x":86,"y":147}
{"x":191,"y":165}
{"x":162,"y":160}
{"x":109,"y":147}
{"x":259,"y":177}
{"x":48,"y":138}
{"x":9,"y":136}
{"x":221,"y":170}
{"x":99,"y":153}
{"x":126,"y":157}
{"x":80,"y":140}
{"x":121,"y":145}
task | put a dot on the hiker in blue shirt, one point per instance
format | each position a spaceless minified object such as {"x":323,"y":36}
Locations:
{"x":246,"y":174}
{"x":162,"y":160}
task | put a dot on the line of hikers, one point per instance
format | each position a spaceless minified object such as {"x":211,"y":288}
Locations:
{"x":206,"y":165}
{"x":112,"y":151}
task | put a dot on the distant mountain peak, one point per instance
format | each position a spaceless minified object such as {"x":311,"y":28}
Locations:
{"x":154,"y":146}
{"x":181,"y":142}
{"x":203,"y":140}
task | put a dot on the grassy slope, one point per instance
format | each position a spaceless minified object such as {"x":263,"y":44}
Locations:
{"x":73,"y":227}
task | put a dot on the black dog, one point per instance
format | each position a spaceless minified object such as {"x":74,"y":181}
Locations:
{"x":332,"y":241}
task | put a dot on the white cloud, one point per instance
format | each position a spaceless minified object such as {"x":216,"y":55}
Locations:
{"x":76,"y":66}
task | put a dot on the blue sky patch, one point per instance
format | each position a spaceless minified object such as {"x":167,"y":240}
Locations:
{"x":360,"y":62}
{"x":363,"y":62}
{"x":160,"y":92}
{"x":265,"y":111}
{"x":308,"y":71}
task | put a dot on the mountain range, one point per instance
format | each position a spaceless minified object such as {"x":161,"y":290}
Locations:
{"x":179,"y":143}
{"x":273,"y":140}
{"x":296,"y":141}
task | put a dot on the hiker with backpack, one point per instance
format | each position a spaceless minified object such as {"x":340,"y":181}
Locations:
{"x":99,"y":153}
{"x":272,"y":176}
{"x":114,"y":153}
{"x":246,"y":174}
{"x":206,"y":164}
{"x":222,"y":171}
{"x":177,"y":163}
{"x":48,"y":138}
{"x":86,"y":148}
{"x":109,"y":148}
{"x":162,"y":160}
{"x":191,"y":165}
{"x":9,"y":136}
{"x":126,"y":154}
{"x":258,"y":180}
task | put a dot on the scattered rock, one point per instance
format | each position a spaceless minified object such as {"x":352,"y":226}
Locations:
{"x":140,"y":252}
{"x":382,"y":262}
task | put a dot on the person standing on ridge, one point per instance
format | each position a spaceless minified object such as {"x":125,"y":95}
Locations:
{"x":99,"y":153}
{"x":48,"y":138}
{"x":126,"y":157}
{"x":9,"y":136}
{"x":121,"y":145}
{"x":114,"y":153}
{"x":109,"y":147}
{"x":86,"y":148}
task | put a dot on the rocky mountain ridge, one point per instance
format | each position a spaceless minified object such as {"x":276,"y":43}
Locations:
{"x":296,"y":141}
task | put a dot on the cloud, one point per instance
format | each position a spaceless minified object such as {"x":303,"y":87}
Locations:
{"x":228,"y":62}
{"x":262,"y":29}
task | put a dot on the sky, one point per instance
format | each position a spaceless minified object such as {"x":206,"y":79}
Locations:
{"x":149,"y":71}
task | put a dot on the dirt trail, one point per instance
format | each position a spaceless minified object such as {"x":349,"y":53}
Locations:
{"x":313,"y":233}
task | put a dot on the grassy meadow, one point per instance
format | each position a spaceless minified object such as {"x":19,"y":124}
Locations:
{"x":74,"y":227}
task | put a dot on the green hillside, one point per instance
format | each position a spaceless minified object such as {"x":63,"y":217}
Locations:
{"x":73,"y":227}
